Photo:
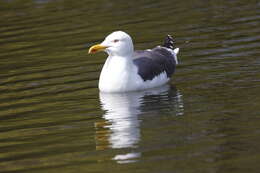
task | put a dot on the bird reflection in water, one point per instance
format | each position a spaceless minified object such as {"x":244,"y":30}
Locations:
{"x":122,"y":118}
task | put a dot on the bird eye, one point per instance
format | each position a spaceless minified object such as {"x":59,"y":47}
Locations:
{"x":116,"y":40}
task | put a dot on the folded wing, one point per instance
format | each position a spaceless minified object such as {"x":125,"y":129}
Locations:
{"x":151,"y":63}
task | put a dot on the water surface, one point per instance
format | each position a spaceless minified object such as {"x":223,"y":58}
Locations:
{"x":53,"y":118}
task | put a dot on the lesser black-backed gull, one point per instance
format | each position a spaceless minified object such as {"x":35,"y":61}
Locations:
{"x":129,"y":70}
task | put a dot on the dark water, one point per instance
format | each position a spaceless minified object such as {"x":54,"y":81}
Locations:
{"x":53,"y":118}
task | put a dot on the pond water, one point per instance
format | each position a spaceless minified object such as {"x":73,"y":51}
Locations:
{"x":53,"y":118}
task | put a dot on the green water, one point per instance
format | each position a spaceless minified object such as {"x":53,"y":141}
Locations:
{"x":53,"y":118}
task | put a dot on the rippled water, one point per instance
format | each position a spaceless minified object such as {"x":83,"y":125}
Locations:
{"x":53,"y":118}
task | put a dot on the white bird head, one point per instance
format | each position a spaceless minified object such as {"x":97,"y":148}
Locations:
{"x":117,"y":43}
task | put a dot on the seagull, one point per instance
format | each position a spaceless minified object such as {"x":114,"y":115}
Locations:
{"x":128,"y":70}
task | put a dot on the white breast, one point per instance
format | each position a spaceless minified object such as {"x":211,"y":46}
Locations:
{"x":118,"y":75}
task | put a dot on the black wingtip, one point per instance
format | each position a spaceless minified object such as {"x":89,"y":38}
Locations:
{"x":169,"y":42}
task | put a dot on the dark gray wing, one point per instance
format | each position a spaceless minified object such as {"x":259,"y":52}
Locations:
{"x":153,"y":62}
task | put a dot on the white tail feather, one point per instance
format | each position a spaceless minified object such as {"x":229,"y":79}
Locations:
{"x":176,"y":50}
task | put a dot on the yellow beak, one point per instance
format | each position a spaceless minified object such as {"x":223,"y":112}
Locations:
{"x":96,"y":48}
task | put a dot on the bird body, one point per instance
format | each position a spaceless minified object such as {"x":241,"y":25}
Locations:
{"x":129,"y":70}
